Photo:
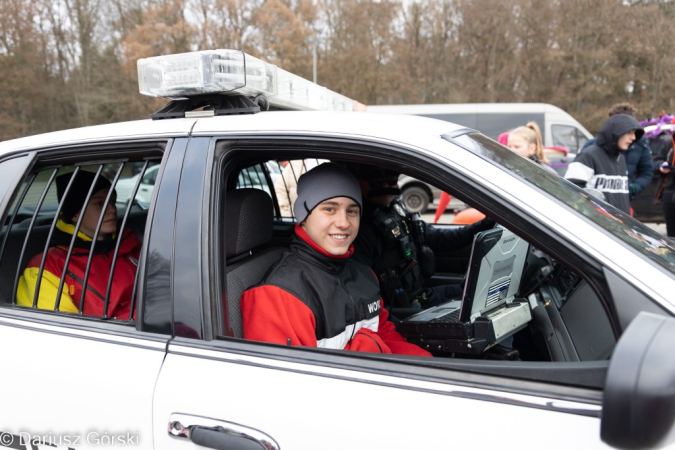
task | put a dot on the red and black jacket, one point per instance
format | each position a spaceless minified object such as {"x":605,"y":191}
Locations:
{"x":315,"y":299}
{"x":119,"y":302}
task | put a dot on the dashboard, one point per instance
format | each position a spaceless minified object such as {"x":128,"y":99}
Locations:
{"x":575,"y":325}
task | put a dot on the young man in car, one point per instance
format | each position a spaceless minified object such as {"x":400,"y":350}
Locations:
{"x":602,"y":165}
{"x":399,"y":246}
{"x":317,"y":295}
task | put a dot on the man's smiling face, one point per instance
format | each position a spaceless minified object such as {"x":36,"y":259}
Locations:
{"x":334,"y":224}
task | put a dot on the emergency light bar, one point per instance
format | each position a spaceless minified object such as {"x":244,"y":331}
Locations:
{"x":233,"y":72}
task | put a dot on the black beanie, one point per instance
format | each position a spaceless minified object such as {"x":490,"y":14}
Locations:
{"x":78,"y":191}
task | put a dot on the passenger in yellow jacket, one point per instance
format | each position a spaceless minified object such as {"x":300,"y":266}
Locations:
{"x":119,"y":302}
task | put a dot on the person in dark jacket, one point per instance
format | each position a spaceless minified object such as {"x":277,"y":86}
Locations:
{"x":664,"y":164}
{"x":400,"y":247}
{"x":602,"y":166}
{"x":317,"y":295}
{"x":639,"y":162}
{"x":126,"y":262}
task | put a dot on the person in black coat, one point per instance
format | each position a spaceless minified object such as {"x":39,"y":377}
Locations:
{"x":602,"y":166}
{"x":399,"y":246}
{"x":639,"y":162}
{"x":664,"y":164}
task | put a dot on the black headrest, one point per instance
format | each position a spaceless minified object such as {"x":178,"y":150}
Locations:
{"x":249,"y":216}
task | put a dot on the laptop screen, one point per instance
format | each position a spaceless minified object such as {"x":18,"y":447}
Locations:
{"x":495,"y":271}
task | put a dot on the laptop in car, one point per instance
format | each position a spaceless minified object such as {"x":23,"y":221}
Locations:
{"x":488,"y":311}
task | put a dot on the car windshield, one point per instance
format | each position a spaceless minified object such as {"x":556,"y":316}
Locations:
{"x":650,"y":243}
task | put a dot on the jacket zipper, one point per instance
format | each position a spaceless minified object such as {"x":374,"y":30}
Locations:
{"x":373,"y":339}
{"x":93,"y":291}
{"x":353,"y":303}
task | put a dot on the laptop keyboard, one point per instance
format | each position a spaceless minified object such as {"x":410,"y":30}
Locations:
{"x":448,"y":318}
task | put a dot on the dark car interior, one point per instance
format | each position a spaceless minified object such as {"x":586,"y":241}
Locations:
{"x":569,"y":321}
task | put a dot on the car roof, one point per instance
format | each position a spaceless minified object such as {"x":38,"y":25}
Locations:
{"x":373,"y":126}
{"x":98,"y":133}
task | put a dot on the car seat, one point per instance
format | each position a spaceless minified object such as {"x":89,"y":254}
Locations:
{"x":15,"y":249}
{"x":249,"y":215}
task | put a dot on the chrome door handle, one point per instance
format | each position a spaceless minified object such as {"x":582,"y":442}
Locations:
{"x":218,"y":434}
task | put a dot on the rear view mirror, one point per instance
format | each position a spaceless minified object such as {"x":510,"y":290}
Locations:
{"x":638,"y":407}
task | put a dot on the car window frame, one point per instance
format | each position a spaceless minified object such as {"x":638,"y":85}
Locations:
{"x":253,"y":147}
{"x":12,"y":168}
{"x":73,"y":155}
{"x":579,"y":137}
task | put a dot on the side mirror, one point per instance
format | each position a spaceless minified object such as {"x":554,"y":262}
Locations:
{"x":638,"y":407}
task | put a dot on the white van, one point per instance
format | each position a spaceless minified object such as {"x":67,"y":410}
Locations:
{"x":558,"y":128}
{"x":563,"y":136}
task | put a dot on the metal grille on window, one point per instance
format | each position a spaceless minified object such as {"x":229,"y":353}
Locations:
{"x":47,"y":262}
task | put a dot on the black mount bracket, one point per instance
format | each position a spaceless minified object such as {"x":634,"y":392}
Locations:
{"x":220,"y":104}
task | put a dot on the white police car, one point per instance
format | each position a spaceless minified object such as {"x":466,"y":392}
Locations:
{"x":594,"y":366}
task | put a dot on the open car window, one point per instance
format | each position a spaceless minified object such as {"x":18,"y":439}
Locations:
{"x":558,"y":294}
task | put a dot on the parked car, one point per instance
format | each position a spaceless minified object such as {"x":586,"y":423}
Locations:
{"x":419,"y":196}
{"x":591,"y":368}
{"x":125,"y":187}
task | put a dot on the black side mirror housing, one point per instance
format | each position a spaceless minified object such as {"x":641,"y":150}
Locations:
{"x":638,"y":408}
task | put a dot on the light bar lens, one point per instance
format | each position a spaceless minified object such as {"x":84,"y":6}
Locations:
{"x":204,"y":72}
{"x":232,"y":71}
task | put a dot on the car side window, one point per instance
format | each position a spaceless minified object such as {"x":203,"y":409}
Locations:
{"x":569,"y":137}
{"x":71,"y":239}
{"x":128,"y":180}
{"x":10,"y":171}
{"x":150,"y":176}
{"x":279,"y":179}
{"x":558,"y":295}
{"x":255,"y":177}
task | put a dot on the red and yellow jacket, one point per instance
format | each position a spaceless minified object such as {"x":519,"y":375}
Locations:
{"x":315,"y":299}
{"x":97,"y":284}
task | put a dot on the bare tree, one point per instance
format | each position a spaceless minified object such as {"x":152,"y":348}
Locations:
{"x":357,"y":47}
{"x":66,"y":63}
{"x":225,"y":23}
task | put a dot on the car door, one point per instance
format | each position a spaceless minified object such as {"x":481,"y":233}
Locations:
{"x":224,"y":392}
{"x":297,"y":398}
{"x":68,"y":380}
{"x":75,"y":385}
